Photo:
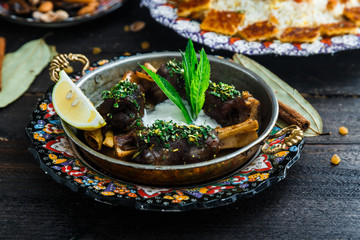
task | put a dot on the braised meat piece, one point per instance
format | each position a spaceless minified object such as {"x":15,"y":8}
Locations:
{"x":166,"y":143}
{"x":173,"y":73}
{"x":229,"y":106}
{"x":125,"y":145}
{"x":123,"y":106}
{"x":125,"y":141}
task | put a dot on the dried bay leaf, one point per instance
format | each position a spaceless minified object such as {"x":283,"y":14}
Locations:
{"x":286,"y":94}
{"x":21,"y":67}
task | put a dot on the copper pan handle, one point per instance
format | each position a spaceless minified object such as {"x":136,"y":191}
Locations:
{"x":296,"y":135}
{"x":62,"y":61}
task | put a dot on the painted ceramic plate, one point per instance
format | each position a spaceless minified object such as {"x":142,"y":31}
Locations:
{"x":51,"y":147}
{"x":105,"y":7}
{"x":165,"y":14}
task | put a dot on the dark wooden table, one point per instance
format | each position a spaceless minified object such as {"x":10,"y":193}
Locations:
{"x":317,"y":200}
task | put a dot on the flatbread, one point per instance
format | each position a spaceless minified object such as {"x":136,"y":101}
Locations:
{"x":336,"y":29}
{"x":259,"y":31}
{"x":192,"y":7}
{"x":224,"y":22}
{"x":272,"y":27}
{"x":300,"y":34}
{"x":353,"y":14}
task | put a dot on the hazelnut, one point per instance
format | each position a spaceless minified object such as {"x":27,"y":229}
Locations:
{"x":46,"y":7}
{"x":88,"y":9}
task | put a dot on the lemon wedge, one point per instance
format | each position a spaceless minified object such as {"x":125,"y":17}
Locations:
{"x":73,"y":106}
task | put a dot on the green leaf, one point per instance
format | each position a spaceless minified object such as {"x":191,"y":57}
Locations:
{"x":200,"y":83}
{"x":21,"y":67}
{"x":286,"y":94}
{"x":189,"y":64}
{"x":170,"y":92}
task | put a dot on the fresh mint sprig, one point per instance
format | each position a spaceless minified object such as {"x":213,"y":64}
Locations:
{"x":199,"y":84}
{"x":189,"y":64}
{"x":170,"y":92}
{"x":197,"y":78}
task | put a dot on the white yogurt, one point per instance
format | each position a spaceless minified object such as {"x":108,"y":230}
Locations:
{"x":168,"y":111}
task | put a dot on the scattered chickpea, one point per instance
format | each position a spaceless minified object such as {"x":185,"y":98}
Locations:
{"x":127,"y":28}
{"x":145,"y":45}
{"x":96,"y":50}
{"x":335,"y":159}
{"x":343,"y":130}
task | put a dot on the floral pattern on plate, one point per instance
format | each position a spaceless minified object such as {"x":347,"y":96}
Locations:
{"x":51,"y":147}
{"x":165,"y":14}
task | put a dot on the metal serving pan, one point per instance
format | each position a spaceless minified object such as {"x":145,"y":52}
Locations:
{"x":105,"y":77}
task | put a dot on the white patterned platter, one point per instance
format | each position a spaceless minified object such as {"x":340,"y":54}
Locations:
{"x":165,"y":14}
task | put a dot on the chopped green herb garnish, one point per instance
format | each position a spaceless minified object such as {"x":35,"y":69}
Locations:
{"x":223,"y":91}
{"x":166,"y":132}
{"x":121,"y":90}
{"x":174,"y":68}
